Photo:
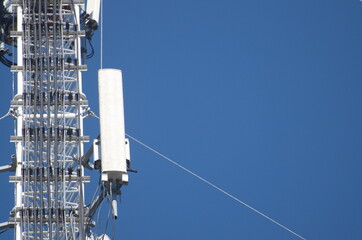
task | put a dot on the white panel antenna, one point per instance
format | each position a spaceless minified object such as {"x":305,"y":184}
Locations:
{"x":113,"y":142}
{"x":93,"y":7}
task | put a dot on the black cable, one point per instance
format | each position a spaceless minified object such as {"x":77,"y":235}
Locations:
{"x":92,"y":52}
{"x":4,"y":231}
{"x":1,"y":60}
{"x":5,"y":61}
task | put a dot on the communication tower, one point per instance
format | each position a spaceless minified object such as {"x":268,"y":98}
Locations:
{"x":52,"y":39}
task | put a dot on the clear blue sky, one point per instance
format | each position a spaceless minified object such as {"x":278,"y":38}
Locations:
{"x":262,"y":98}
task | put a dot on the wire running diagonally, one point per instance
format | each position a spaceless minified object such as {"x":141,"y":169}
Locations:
{"x":7,"y":114}
{"x":209,"y":183}
{"x":216,"y":187}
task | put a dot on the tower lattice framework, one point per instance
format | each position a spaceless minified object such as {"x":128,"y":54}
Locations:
{"x":49,"y":104}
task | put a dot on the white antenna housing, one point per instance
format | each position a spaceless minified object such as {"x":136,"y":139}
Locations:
{"x":113,"y":142}
{"x":93,"y":7}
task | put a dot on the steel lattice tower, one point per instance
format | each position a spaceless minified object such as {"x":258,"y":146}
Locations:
{"x":49,"y":107}
{"x":49,"y":139}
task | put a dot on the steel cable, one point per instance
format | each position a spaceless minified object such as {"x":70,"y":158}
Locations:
{"x":216,"y":187}
{"x":212,"y":185}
